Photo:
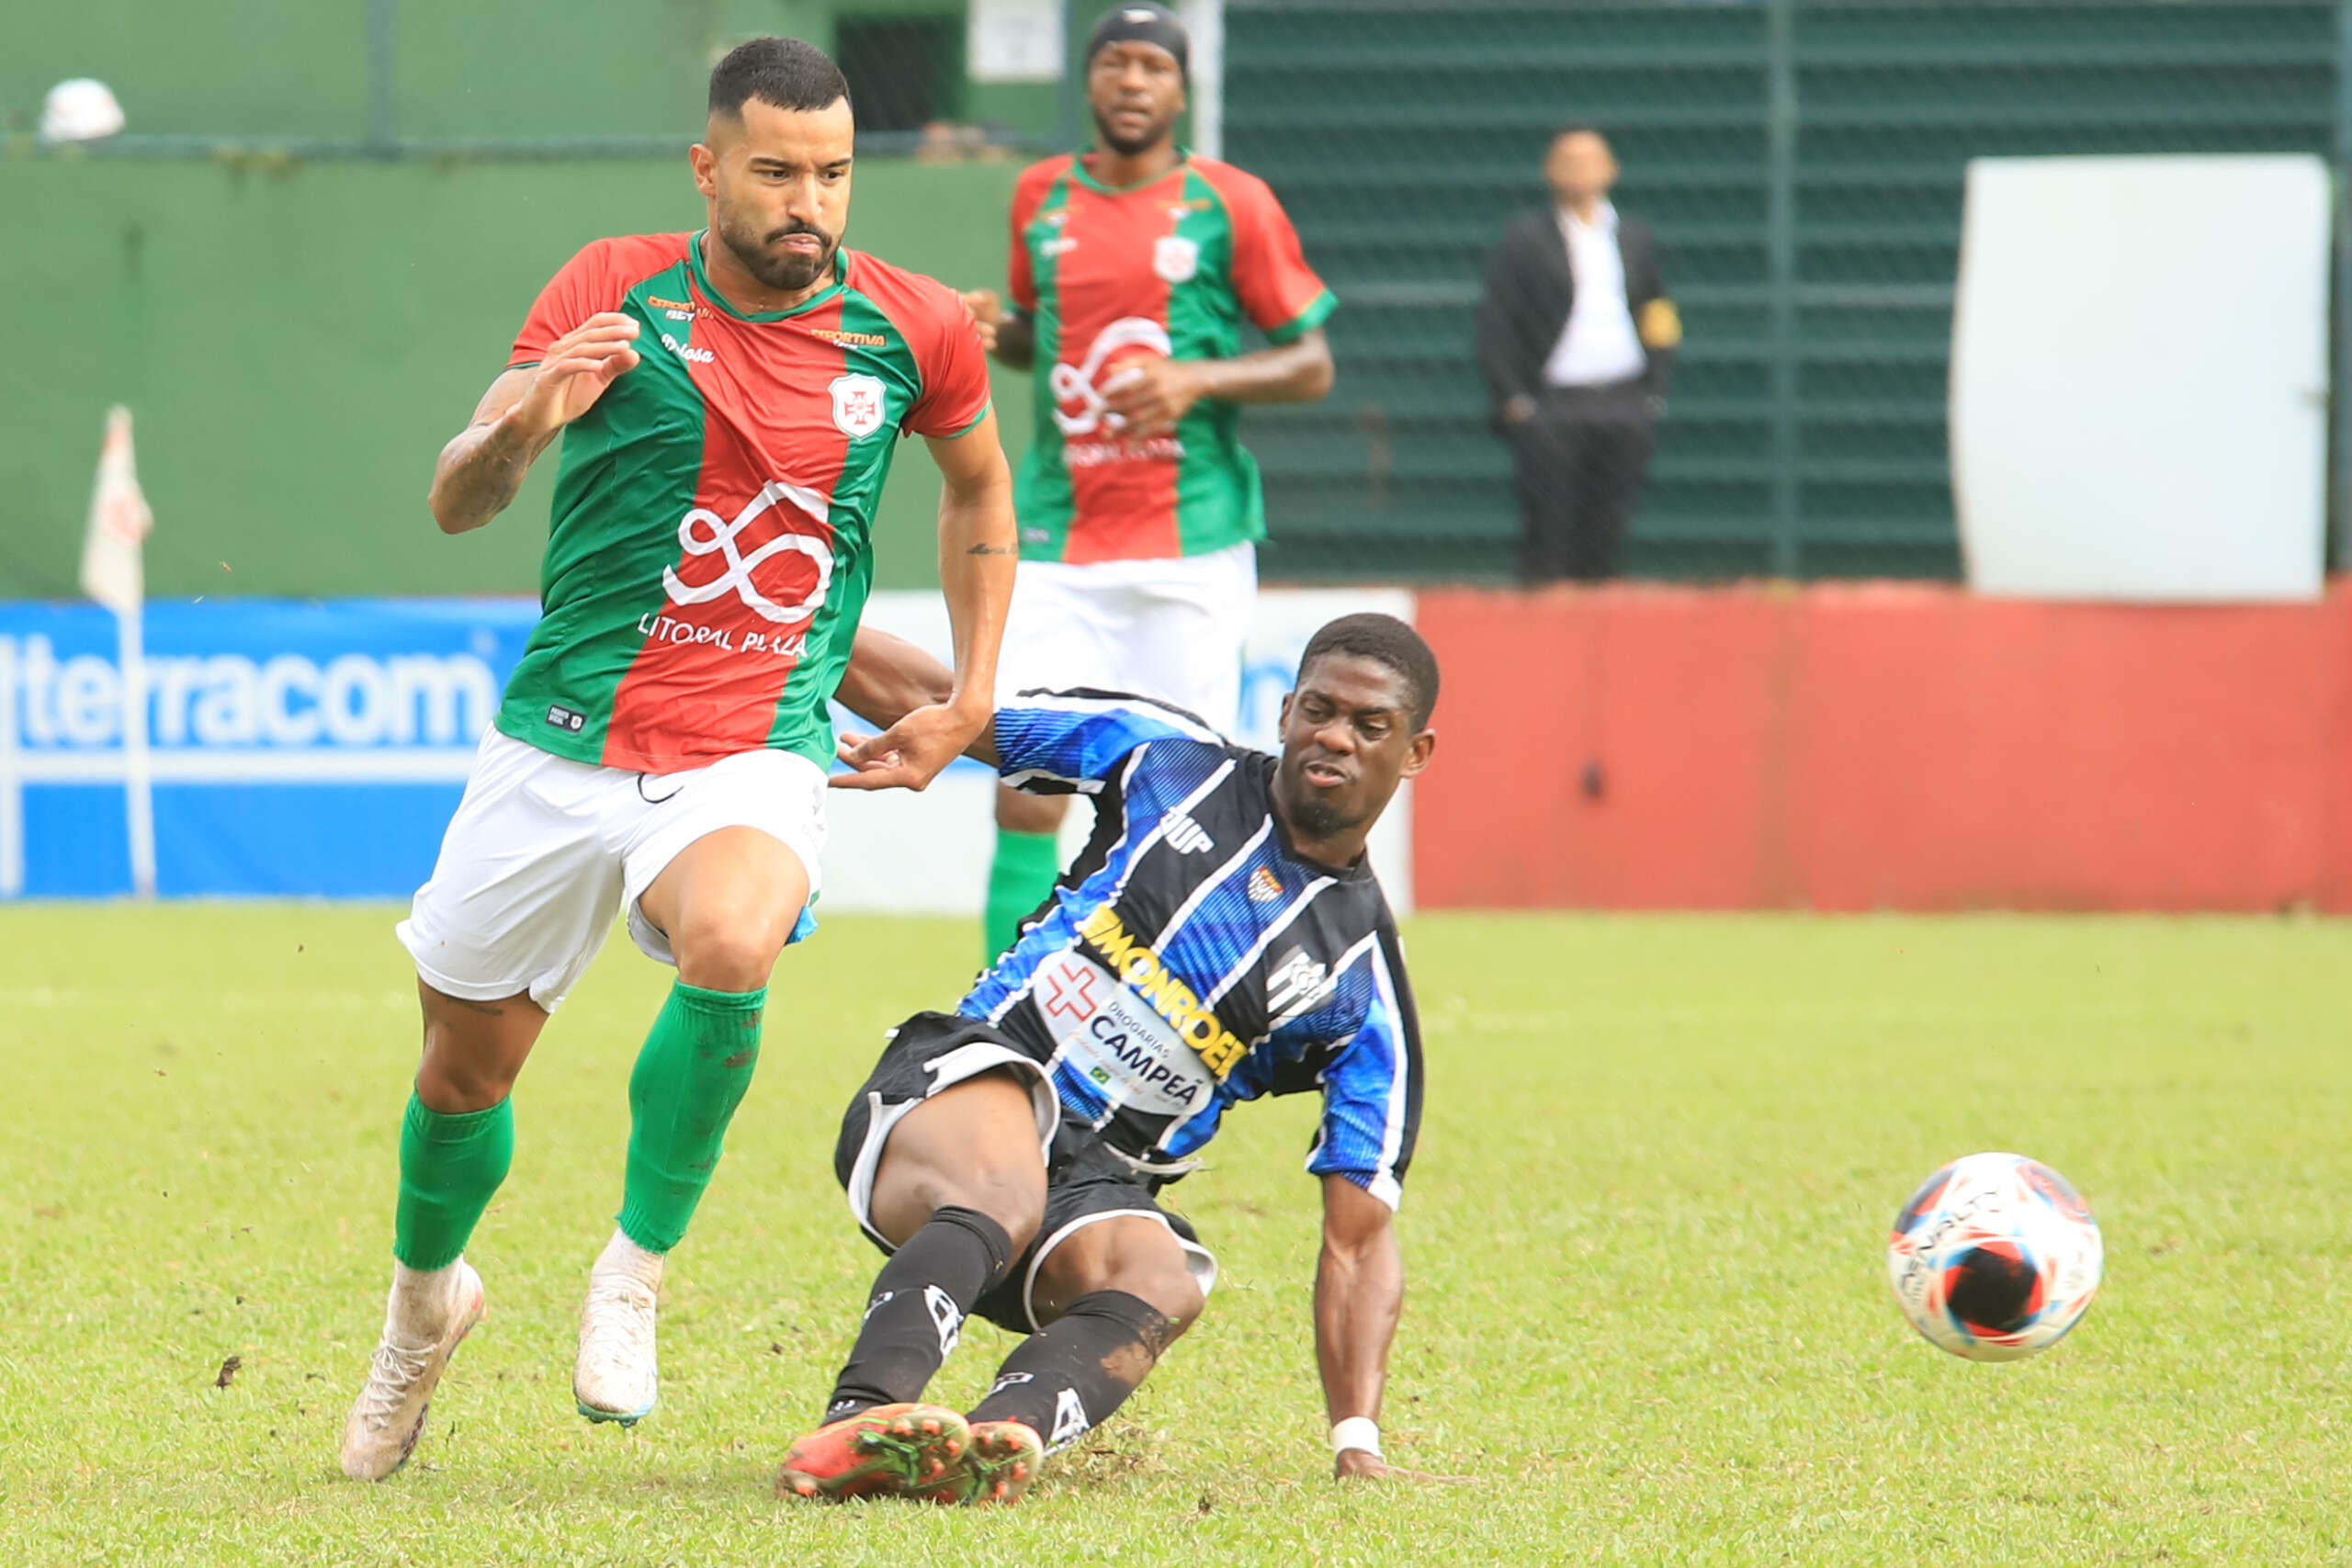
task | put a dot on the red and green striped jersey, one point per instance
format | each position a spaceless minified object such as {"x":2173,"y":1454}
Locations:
{"x":710,"y":549}
{"x":1169,"y":267}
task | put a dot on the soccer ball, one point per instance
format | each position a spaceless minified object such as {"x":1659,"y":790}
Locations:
{"x":1995,"y":1257}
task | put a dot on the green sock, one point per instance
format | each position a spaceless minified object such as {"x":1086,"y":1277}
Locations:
{"x":450,"y":1164}
{"x":1019,"y":879}
{"x":689,"y":1079}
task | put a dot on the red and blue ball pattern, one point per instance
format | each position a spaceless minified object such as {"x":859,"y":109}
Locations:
{"x":1995,"y":1257}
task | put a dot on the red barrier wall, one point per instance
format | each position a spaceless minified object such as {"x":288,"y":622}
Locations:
{"x":1885,"y":746}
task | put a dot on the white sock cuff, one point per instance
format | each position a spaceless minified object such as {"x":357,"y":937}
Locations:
{"x":420,"y":1299}
{"x":627,"y":1255}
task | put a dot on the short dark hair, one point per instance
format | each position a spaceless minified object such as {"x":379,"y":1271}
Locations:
{"x":1386,"y":641}
{"x":785,"y":72}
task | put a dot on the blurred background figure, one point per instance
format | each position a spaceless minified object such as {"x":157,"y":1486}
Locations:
{"x":1133,"y":267}
{"x":1576,"y":339}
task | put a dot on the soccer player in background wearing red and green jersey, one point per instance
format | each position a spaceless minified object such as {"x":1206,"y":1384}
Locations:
{"x":1133,"y":267}
{"x":727,"y":403}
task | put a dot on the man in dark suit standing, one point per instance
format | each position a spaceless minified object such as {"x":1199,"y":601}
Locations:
{"x":1577,"y":339}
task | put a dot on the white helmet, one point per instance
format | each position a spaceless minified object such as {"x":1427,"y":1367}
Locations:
{"x":79,"y":110}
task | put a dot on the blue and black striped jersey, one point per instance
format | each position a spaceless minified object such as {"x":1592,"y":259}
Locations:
{"x":1189,"y":959}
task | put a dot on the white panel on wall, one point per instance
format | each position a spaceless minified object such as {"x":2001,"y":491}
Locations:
{"x":1013,"y":40}
{"x":2138,"y":377}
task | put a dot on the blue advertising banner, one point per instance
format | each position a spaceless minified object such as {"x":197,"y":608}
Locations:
{"x":309,"y":749}
{"x":297,"y":748}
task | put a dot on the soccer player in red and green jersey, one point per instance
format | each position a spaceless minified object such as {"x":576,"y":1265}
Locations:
{"x":727,"y":403}
{"x":1132,"y":268}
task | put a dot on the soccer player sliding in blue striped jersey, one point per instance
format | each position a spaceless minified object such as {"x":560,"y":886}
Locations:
{"x":1221,"y":938}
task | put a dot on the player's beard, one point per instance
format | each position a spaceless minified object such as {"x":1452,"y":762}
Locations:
{"x":1313,"y":819}
{"x":1308,"y":812}
{"x":1129,"y":146}
{"x":786,"y":272}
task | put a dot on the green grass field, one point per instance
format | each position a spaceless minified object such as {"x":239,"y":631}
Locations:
{"x":1647,"y":1311}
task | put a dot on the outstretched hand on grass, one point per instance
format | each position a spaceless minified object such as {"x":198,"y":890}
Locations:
{"x":1358,"y":1464}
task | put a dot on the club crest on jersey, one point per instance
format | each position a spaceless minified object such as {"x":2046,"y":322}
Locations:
{"x":1265,"y":888}
{"x":858,"y":404}
{"x":1175,"y":258}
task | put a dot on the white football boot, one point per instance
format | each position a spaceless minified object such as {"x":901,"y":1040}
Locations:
{"x":428,"y":1316}
{"x":615,"y":1377}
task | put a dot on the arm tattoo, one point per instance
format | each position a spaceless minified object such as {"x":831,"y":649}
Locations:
{"x":985,"y":549}
{"x":484,"y":480}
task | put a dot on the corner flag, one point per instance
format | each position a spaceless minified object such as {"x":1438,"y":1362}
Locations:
{"x":112,"y":573}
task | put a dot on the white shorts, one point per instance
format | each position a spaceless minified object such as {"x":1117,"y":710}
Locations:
{"x":1170,"y":629}
{"x":543,"y":849}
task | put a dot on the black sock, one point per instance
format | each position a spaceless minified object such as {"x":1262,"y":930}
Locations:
{"x":1080,"y":1369}
{"x":918,"y":1307}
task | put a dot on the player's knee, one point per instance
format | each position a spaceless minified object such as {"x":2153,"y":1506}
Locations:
{"x":973,"y":1145}
{"x":474,"y":1050}
{"x":734,"y":952}
{"x":913,"y":1183}
{"x":450,"y":1082}
{"x":1015,"y":1199}
{"x":1135,"y":1257}
{"x":1174,"y":1292}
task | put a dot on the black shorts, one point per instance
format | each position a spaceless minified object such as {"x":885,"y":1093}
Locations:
{"x":1086,"y":1180}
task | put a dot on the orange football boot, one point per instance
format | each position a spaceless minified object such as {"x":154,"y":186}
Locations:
{"x":889,"y":1451}
{"x":1000,"y":1462}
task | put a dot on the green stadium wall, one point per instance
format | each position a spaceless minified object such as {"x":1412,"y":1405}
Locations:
{"x":458,"y":68}
{"x":297,"y":341}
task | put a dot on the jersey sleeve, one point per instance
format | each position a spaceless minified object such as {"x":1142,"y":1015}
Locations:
{"x":587,"y":283}
{"x":954,"y":373}
{"x":1069,"y":743}
{"x":1279,"y":292}
{"x":1372,"y":1089}
{"x":1020,"y":274}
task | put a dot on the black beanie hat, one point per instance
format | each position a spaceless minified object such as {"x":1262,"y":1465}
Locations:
{"x":1142,"y":24}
